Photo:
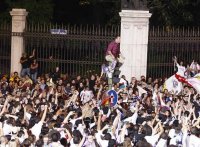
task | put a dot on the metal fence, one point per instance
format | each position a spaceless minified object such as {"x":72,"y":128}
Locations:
{"x":81,"y":50}
{"x":5,"y":48}
{"x":164,"y":43}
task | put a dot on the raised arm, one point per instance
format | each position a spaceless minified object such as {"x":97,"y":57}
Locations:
{"x":1,"y":129}
{"x":115,"y":123}
{"x":69,"y":135}
{"x":197,"y":122}
{"x":4,"y":107}
{"x":175,"y":60}
{"x":82,"y":141}
{"x":33,"y":54}
{"x":99,"y":122}
{"x":56,"y":98}
{"x":67,"y":118}
{"x":99,"y":92}
{"x":123,"y":132}
{"x":44,"y":114}
{"x":13,"y":116}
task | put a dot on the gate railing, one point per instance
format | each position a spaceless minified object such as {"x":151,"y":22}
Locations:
{"x":81,"y":49}
{"x":5,"y":45}
{"x":165,"y":43}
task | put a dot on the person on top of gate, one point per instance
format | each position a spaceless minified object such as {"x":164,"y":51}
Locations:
{"x":113,"y":54}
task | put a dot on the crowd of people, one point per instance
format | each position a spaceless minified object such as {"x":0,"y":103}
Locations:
{"x":56,"y":110}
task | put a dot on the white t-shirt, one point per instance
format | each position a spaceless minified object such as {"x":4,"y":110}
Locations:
{"x":7,"y":129}
{"x":181,"y":70}
{"x":193,"y":141}
{"x":55,"y":144}
{"x":86,"y":96}
{"x":36,"y":129}
{"x":72,"y":143}
{"x":28,"y":115}
{"x":102,"y":143}
{"x":122,"y":81}
{"x":152,"y":139}
{"x":162,"y":143}
{"x":175,"y":137}
{"x":132,"y":119}
{"x":73,"y":122}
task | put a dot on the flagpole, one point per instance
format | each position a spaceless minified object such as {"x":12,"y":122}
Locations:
{"x":175,"y":61}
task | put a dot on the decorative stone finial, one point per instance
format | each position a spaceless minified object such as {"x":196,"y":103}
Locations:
{"x":134,"y":4}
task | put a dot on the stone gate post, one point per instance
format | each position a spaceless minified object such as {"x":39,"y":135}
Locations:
{"x":134,"y":42}
{"x":17,"y":41}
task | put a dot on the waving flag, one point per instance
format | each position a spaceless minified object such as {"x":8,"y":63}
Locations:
{"x":173,"y":85}
{"x":195,"y":82}
{"x":182,"y":80}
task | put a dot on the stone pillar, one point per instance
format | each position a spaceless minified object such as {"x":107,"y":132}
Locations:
{"x":17,"y":41}
{"x":134,"y":42}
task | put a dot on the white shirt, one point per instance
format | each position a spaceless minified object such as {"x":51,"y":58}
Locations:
{"x":86,"y":96}
{"x":72,"y":143}
{"x":181,"y":70}
{"x":73,"y":122}
{"x":7,"y":129}
{"x":55,"y":144}
{"x":193,"y":141}
{"x":152,"y":139}
{"x":102,"y":143}
{"x":36,"y":129}
{"x":132,"y":119}
{"x":194,"y":66}
{"x":122,"y":81}
{"x":162,"y":143}
{"x":28,"y":115}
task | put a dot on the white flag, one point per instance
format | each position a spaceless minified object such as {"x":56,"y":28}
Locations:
{"x":173,"y":85}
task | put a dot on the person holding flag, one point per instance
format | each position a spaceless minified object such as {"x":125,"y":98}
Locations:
{"x":174,"y":83}
{"x":181,"y":68}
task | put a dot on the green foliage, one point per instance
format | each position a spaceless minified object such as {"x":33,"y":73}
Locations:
{"x":39,"y":10}
{"x":164,"y":12}
{"x":174,"y":12}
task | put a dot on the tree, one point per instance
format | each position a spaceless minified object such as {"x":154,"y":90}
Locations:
{"x":164,"y":12}
{"x":39,"y":10}
{"x":174,"y":12}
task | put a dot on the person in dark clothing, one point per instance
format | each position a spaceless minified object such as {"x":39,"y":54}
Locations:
{"x":25,"y":62}
{"x":92,"y":83}
{"x":34,"y":70}
{"x":56,"y":74}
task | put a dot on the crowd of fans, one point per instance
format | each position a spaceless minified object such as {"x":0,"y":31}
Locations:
{"x":55,"y":110}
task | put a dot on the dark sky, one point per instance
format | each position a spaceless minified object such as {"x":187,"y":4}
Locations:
{"x":68,"y":11}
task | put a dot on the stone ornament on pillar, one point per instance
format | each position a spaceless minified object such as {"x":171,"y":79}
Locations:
{"x":134,"y":4}
{"x":17,"y":42}
{"x":126,"y":26}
